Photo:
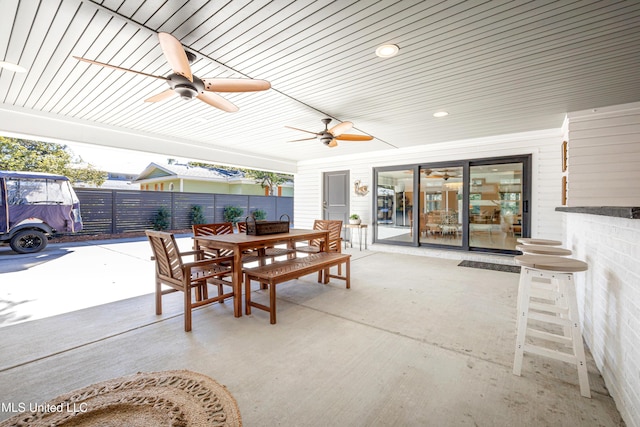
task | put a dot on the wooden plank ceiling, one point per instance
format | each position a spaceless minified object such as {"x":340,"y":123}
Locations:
{"x":496,"y":66}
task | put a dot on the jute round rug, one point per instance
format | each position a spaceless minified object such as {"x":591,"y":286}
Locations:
{"x":168,"y":398}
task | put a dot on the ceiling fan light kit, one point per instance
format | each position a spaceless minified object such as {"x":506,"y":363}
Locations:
{"x":183,"y":83}
{"x":184,"y":88}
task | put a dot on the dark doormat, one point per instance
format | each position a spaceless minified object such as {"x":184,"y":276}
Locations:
{"x":490,"y":266}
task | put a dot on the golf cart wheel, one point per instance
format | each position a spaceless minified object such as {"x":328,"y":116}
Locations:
{"x":28,"y":241}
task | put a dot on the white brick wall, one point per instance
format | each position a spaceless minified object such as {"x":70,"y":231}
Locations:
{"x":609,"y":301}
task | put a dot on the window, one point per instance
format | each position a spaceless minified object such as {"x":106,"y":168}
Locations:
{"x":38,"y":191}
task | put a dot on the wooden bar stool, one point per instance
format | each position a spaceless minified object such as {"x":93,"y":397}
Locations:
{"x":532,"y":241}
{"x":554,"y":305}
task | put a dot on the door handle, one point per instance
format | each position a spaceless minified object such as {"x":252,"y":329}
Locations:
{"x":525,"y":206}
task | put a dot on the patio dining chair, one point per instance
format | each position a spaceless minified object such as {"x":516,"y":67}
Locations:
{"x":215,"y":229}
{"x":181,"y":276}
{"x":335,"y":231}
{"x":271,"y":252}
{"x":334,"y":243}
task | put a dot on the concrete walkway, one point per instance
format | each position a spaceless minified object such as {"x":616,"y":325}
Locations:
{"x":416,"y":341}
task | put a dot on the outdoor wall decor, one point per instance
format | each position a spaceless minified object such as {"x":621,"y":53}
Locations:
{"x":360,"y":190}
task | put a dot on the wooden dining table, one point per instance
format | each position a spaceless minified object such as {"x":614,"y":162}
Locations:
{"x":240,"y":243}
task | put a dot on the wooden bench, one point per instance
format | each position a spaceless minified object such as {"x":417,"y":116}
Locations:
{"x":283,"y":271}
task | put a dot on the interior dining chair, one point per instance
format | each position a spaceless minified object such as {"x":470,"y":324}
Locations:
{"x":270,"y":252}
{"x":181,"y":276}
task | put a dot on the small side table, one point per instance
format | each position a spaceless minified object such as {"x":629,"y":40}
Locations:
{"x":358,"y":227}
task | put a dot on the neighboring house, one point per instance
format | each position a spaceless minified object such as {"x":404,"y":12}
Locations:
{"x":114,"y":181}
{"x":195,"y":179}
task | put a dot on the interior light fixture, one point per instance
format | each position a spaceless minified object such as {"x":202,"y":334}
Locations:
{"x":12,"y":67}
{"x":387,"y":50}
{"x":440,"y":114}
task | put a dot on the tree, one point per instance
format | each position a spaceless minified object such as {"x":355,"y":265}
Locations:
{"x":269,"y":180}
{"x":37,"y":156}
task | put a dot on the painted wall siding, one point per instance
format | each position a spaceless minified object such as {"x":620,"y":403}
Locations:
{"x":546,"y":174}
{"x":192,"y":186}
{"x":287,"y":192}
{"x":603,"y":157}
{"x":251,"y":189}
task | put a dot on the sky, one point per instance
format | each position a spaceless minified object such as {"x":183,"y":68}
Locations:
{"x":115,"y":159}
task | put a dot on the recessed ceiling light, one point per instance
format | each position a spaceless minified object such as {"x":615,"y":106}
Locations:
{"x":12,"y":67}
{"x":387,"y":50}
{"x":440,"y":114}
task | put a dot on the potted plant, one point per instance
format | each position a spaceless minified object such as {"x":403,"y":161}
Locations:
{"x":259,"y":214}
{"x":354,"y":219}
{"x":233,"y":213}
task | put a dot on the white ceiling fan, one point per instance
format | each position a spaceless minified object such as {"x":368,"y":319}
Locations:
{"x":183,"y":83}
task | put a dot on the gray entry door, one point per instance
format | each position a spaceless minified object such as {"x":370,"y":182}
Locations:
{"x":335,"y":195}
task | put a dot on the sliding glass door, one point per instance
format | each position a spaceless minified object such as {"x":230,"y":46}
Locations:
{"x":495,"y":205}
{"x":468,"y":205}
{"x":441,"y":207}
{"x":394,"y":205}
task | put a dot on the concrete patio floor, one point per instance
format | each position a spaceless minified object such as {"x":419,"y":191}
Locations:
{"x":416,"y":341}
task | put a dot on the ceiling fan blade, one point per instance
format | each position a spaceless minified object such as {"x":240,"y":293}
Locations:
{"x":351,"y":137}
{"x":303,"y":139}
{"x":175,"y":55}
{"x":217,"y":101}
{"x":161,"y":96}
{"x":102,"y":64}
{"x":333,"y":143}
{"x":302,"y":130}
{"x":235,"y":85}
{"x":340,"y":128}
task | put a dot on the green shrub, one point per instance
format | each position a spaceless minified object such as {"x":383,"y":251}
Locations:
{"x":259,"y":214}
{"x":233,"y":214}
{"x":162,"y":219}
{"x":197,"y":215}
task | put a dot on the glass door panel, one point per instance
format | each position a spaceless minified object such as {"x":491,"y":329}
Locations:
{"x":394,"y":206}
{"x":441,"y":207}
{"x":495,"y":205}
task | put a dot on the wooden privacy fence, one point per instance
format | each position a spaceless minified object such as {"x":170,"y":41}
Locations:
{"x":123,"y":211}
